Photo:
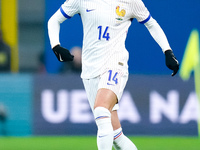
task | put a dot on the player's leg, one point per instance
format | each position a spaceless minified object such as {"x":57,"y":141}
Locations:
{"x":91,"y":87}
{"x":121,"y":142}
{"x":104,"y":124}
{"x":105,"y":101}
{"x":110,"y":88}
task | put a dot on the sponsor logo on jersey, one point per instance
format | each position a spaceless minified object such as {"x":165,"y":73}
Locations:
{"x":110,"y":84}
{"x":89,"y":10}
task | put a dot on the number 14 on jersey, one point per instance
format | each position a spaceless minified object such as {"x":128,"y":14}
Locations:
{"x":105,"y":34}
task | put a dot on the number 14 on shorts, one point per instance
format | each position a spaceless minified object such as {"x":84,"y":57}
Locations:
{"x":112,"y":77}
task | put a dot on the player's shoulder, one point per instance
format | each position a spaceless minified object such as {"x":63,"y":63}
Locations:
{"x":72,"y":1}
{"x":137,"y":3}
{"x":70,"y":4}
{"x":131,"y":2}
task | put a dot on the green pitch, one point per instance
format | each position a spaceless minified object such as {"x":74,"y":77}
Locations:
{"x":89,"y":143}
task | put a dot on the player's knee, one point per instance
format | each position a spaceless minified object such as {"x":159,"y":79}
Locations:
{"x":101,"y":113}
{"x":103,"y":119}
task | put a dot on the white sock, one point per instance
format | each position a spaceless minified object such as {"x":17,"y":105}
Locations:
{"x":121,"y":142}
{"x":105,"y":129}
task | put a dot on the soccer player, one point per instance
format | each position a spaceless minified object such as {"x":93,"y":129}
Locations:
{"x":104,"y":57}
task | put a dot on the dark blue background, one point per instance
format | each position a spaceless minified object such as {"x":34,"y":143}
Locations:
{"x":177,"y":19}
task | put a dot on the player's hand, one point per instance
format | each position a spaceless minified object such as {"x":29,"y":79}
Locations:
{"x":62,"y":54}
{"x":171,"y":61}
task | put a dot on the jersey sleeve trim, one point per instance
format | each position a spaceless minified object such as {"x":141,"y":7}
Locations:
{"x":64,"y":14}
{"x":144,"y":21}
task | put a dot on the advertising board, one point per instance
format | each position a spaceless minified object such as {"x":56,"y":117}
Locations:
{"x":16,"y":104}
{"x":150,"y":105}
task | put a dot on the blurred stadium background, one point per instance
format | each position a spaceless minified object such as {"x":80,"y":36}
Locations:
{"x":44,"y":100}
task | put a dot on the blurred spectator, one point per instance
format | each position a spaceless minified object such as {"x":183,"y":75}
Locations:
{"x":67,"y":67}
{"x":76,"y":65}
{"x":5,"y":55}
{"x":3,"y":118}
{"x":41,"y":59}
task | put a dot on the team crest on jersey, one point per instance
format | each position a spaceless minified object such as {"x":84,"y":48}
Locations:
{"x":120,"y":13}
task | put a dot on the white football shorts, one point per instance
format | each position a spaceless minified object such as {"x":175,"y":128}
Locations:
{"x":112,"y":79}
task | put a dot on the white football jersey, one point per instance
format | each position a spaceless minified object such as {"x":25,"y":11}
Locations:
{"x":105,"y":25}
